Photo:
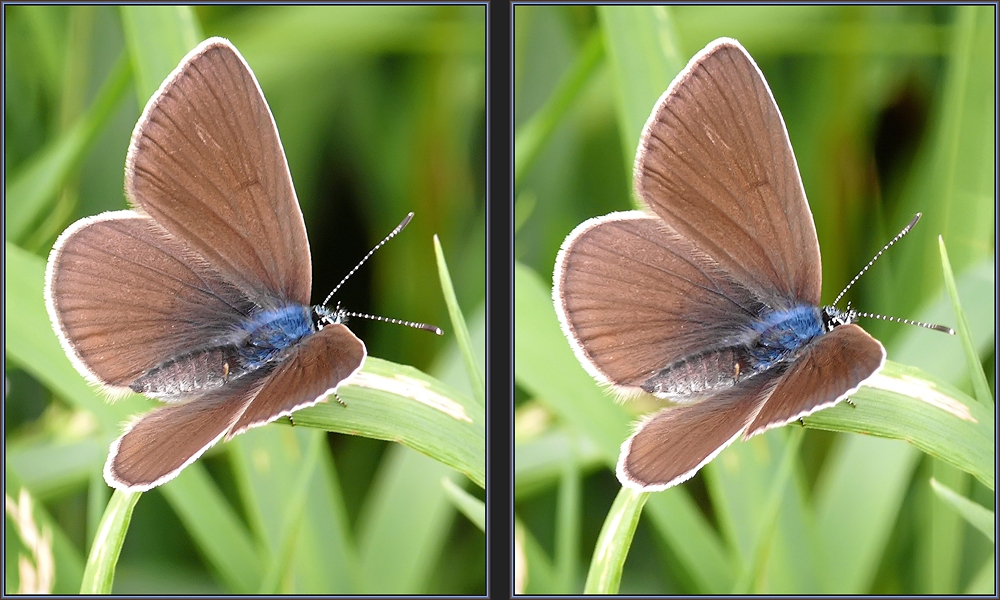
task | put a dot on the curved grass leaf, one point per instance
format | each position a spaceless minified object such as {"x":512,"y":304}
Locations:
{"x":979,"y":383}
{"x":398,"y":403}
{"x":905,"y":403}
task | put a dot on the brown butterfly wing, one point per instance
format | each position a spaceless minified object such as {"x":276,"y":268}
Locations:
{"x":207,"y":165}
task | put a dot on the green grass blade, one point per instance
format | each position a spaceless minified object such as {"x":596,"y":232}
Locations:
{"x":158,"y":37}
{"x":568,"y":512}
{"x":644,"y":55}
{"x":740,"y":484}
{"x":459,"y":325}
{"x":858,"y":497}
{"x":538,"y":461}
{"x":754,"y":570}
{"x":99,"y":574}
{"x":266,"y":463}
{"x":216,"y":529}
{"x":979,"y":383}
{"x":977,"y":515}
{"x":692,"y":538}
{"x":386,"y":401}
{"x":984,"y":582}
{"x":32,"y":190}
{"x":473,"y":508}
{"x":403,"y":523}
{"x":613,"y":542}
{"x":530,"y":138}
{"x":293,"y":519}
{"x":533,"y":572}
{"x":907,"y":404}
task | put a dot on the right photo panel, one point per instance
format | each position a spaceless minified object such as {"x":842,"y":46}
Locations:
{"x":754,"y":299}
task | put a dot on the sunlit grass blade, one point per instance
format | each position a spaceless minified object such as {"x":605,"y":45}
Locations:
{"x":99,"y":574}
{"x":614,"y":541}
{"x":905,"y":403}
{"x":398,"y":403}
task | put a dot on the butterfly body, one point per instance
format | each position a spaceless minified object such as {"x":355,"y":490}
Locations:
{"x":261,"y":341}
{"x":776,"y":338}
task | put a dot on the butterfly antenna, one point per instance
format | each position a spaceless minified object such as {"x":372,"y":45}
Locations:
{"x":940,"y":328}
{"x":413,"y":324}
{"x":391,"y":235}
{"x":905,"y":230}
{"x":872,"y":261}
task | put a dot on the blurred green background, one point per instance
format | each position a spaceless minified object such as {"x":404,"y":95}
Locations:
{"x":890,"y":111}
{"x":381,"y":111}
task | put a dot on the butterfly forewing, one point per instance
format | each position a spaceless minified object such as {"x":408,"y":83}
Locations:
{"x":715,"y":163}
{"x":207,"y":164}
{"x":123,"y":294}
{"x":634,"y":297}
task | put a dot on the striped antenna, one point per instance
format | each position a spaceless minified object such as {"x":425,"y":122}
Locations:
{"x":868,"y":315}
{"x":872,"y":261}
{"x":391,"y":235}
{"x":940,"y":328}
{"x":413,"y":324}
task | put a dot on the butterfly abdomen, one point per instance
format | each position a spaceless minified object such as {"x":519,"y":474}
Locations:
{"x":262,"y":340}
{"x":189,"y":374}
{"x":777,"y":337}
{"x":701,"y":375}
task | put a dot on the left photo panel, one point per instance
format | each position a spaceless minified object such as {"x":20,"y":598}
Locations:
{"x":245,"y":275}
